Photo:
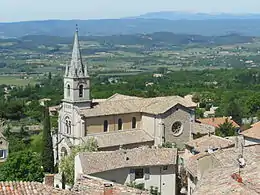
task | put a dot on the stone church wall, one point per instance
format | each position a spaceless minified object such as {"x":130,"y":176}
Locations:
{"x":177,"y":114}
{"x":96,"y":124}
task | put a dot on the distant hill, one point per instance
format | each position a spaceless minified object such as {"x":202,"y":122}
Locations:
{"x":173,"y":15}
{"x":214,"y":27}
{"x":155,"y":41}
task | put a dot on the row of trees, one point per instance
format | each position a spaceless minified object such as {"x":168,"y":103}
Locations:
{"x":235,"y":92}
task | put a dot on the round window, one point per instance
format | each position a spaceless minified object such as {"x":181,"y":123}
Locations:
{"x":177,"y":128}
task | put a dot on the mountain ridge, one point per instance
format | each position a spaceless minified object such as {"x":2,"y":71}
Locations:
{"x":179,"y":15}
{"x":104,"y":27}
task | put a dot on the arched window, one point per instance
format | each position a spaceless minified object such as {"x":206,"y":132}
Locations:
{"x":105,"y":126}
{"x":63,"y":152}
{"x":120,"y":124}
{"x":67,"y":125}
{"x":68,"y":90}
{"x":81,"y":91}
{"x":133,"y":123}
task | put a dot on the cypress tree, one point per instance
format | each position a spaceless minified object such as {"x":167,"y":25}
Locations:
{"x":47,"y":152}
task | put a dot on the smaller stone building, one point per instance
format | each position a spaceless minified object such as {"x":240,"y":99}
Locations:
{"x":150,"y":167}
{"x":3,"y":148}
{"x":199,"y":167}
{"x":252,"y":135}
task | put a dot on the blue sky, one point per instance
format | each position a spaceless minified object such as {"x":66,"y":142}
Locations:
{"x":21,"y":10}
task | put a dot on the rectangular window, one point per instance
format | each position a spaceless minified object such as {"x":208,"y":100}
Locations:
{"x":147,"y":173}
{"x":139,"y":173}
{"x":2,"y":154}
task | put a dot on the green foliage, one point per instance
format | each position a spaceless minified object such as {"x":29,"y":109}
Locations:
{"x":47,"y":150}
{"x":22,"y":166}
{"x":226,"y":129}
{"x":37,"y":143}
{"x":196,"y":98}
{"x":34,"y":110}
{"x":54,"y":122}
{"x":67,"y":162}
{"x":154,"y":191}
{"x":139,"y":186}
{"x":167,"y":145}
{"x":199,"y":113}
{"x":16,"y":144}
{"x":63,"y":180}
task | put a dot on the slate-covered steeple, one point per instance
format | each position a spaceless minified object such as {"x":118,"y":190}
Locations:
{"x":76,"y":79}
{"x":76,"y":69}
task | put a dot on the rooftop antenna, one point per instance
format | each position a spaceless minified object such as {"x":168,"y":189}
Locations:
{"x":241,"y":160}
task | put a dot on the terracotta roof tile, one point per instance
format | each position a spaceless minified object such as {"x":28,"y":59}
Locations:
{"x":120,"y":104}
{"x":202,"y":128}
{"x":89,"y":185}
{"x":95,"y":162}
{"x":118,"y":138}
{"x":225,"y":157}
{"x":191,"y":165}
{"x":29,"y":188}
{"x":253,"y":132}
{"x":202,"y":144}
{"x":219,"y":181}
{"x":217,"y":121}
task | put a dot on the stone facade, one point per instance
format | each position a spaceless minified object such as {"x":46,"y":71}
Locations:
{"x":127,"y":120}
{"x":185,"y":117}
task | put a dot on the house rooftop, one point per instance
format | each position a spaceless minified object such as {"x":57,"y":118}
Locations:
{"x":219,"y":181}
{"x":253,"y":132}
{"x":121,"y":104}
{"x":118,"y":138}
{"x":29,"y":188}
{"x":95,"y":162}
{"x":206,"y":142}
{"x":225,"y":157}
{"x":200,"y":128}
{"x":89,"y":185}
{"x":191,"y":165}
{"x":216,"y":121}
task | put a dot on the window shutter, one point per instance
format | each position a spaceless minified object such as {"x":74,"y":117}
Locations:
{"x":146,"y":173}
{"x":132,"y":175}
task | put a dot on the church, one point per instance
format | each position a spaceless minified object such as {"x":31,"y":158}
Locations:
{"x":119,"y":121}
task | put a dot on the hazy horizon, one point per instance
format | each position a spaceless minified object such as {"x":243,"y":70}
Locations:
{"x":30,"y":10}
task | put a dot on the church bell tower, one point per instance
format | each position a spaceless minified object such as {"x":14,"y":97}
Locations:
{"x":76,"y":79}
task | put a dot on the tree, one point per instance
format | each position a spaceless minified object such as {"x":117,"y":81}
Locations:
{"x":199,"y":113}
{"x":63,"y":180}
{"x":226,"y":129}
{"x":47,"y":149}
{"x":36,"y":143}
{"x":233,"y":109}
{"x":196,"y":98}
{"x":22,"y":166}
{"x":67,"y":162}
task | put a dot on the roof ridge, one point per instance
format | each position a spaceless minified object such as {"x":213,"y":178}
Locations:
{"x":222,"y":138}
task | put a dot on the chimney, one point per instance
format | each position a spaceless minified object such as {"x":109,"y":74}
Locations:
{"x":49,"y":180}
{"x":108,"y":189}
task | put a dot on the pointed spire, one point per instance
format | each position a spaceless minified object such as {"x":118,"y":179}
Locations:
{"x":76,"y":68}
